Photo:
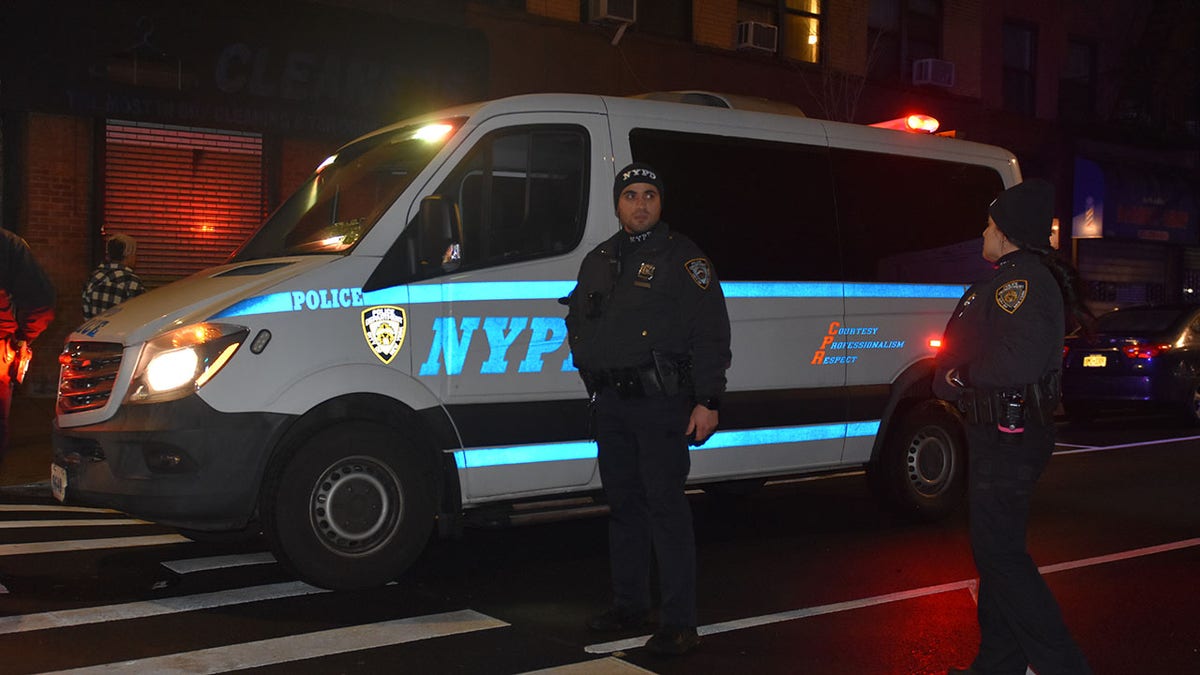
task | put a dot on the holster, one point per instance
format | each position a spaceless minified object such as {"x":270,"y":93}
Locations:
{"x":986,"y":406}
{"x":665,"y":375}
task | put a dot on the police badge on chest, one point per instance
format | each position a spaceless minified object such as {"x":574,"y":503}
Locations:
{"x":644,"y":274}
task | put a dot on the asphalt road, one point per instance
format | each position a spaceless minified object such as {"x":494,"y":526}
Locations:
{"x":802,"y":577}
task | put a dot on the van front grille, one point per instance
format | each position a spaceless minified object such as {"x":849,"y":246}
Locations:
{"x":87,"y":372}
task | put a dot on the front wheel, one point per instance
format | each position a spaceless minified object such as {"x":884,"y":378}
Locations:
{"x":922,"y":467}
{"x":352,"y":507}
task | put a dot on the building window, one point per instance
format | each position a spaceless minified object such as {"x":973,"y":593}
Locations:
{"x":799,"y":24}
{"x":667,"y":18}
{"x":1020,"y":56}
{"x":761,"y":11}
{"x":802,"y":30}
{"x":900,"y":32}
{"x":1077,"y":82}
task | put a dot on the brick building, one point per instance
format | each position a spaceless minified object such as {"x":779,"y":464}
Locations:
{"x":185,"y":123}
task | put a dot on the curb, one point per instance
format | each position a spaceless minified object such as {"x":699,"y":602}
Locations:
{"x":39,"y":489}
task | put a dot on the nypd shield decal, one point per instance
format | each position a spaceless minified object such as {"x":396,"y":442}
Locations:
{"x":698,"y":269}
{"x":1012,"y":294}
{"x":384,"y":327}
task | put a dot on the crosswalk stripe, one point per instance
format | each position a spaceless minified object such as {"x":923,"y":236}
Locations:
{"x":305,"y":646}
{"x":20,"y":508}
{"x":22,"y":524}
{"x":605,"y":666}
{"x":23,"y":623}
{"x":91,"y":544}
{"x":217,"y":562}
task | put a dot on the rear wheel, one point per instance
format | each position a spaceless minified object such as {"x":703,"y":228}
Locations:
{"x":922,"y":467}
{"x":352,"y":507}
{"x":1191,"y":405}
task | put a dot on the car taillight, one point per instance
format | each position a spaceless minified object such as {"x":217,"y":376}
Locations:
{"x":1144,"y":350}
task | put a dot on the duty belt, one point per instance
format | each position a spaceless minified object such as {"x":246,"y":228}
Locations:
{"x":664,"y":376}
{"x":986,"y":406}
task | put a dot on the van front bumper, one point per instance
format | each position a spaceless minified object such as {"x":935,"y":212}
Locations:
{"x":180,"y":463}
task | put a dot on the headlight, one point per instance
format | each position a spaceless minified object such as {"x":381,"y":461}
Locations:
{"x":178,"y":363}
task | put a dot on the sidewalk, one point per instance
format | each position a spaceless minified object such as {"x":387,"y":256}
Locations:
{"x":27,"y":461}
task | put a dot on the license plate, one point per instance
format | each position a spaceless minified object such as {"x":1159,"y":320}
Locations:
{"x":1095,"y":361}
{"x":58,"y":482}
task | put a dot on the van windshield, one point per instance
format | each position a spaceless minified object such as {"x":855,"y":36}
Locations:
{"x":347,"y":194}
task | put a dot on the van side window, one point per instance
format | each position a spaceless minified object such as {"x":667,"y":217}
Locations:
{"x":762,"y":210}
{"x":521,"y":193}
{"x":910,"y":219}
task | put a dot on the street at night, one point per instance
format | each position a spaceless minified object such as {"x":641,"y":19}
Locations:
{"x":443,"y":336}
{"x":801,"y":577}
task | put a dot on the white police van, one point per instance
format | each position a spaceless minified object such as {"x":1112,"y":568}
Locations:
{"x":388,"y":351}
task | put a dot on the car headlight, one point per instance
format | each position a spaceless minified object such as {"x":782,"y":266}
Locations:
{"x":178,"y":363}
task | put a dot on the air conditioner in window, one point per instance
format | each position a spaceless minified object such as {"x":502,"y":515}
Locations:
{"x":936,"y":72}
{"x":612,"y":11}
{"x":755,"y":35}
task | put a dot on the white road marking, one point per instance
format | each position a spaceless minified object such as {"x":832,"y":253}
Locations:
{"x":52,"y":507}
{"x":968,"y":584}
{"x":1073,"y":445}
{"x":217,"y":562}
{"x":1128,"y":445}
{"x":605,"y":666}
{"x":1116,"y":557}
{"x":23,"y":623}
{"x":22,"y":524}
{"x":305,"y":646}
{"x":91,"y":544}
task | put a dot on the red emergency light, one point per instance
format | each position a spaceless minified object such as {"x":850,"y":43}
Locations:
{"x":913,"y":123}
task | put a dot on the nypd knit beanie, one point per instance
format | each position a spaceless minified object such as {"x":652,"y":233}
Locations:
{"x":637,"y":172}
{"x":1025,"y":212}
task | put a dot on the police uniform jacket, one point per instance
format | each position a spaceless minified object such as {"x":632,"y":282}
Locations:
{"x":26,"y":295}
{"x":659,"y":295}
{"x":1006,"y":332}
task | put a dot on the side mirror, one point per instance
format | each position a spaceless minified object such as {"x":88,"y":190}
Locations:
{"x":433,"y":239}
{"x":439,"y":228}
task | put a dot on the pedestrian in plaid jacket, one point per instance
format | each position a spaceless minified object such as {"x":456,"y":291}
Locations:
{"x":114,"y":280}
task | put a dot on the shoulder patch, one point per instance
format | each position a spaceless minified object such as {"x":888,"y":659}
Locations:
{"x":698,"y":269}
{"x":1012,"y":294}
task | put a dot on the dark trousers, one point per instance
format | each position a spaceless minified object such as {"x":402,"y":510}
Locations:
{"x":644,"y":464}
{"x":6,"y":394}
{"x":1019,"y":620}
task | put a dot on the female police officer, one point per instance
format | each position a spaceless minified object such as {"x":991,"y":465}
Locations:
{"x":1000,"y":365}
{"x":649,"y":333}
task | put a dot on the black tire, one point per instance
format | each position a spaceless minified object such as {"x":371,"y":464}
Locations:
{"x":352,"y":507}
{"x":1190,"y":409}
{"x":922,"y":468}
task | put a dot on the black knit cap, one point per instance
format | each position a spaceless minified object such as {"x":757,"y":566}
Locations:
{"x":638,"y":172}
{"x":1025,"y":212}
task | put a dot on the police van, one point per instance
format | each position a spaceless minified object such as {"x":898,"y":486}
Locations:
{"x":388,"y":351}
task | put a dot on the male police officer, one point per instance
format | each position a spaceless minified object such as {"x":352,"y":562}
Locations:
{"x":649,"y":333}
{"x":1000,"y":365}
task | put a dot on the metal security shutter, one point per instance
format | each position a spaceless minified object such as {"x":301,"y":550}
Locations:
{"x":189,"y":196}
{"x":1120,"y":273}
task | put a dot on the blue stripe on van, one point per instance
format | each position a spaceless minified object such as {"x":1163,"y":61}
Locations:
{"x":552,"y":290}
{"x":475,"y":458}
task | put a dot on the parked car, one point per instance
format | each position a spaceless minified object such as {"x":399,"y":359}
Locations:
{"x":1142,"y":357}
